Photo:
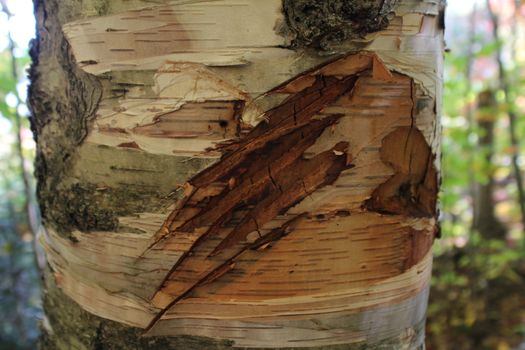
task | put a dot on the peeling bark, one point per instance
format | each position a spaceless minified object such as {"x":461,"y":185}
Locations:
{"x":412,"y":190}
{"x":224,"y":187}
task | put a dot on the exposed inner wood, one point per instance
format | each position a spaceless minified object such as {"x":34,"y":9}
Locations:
{"x":412,"y":190}
{"x":246,"y":195}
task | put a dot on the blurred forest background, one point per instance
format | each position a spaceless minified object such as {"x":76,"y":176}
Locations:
{"x":478,"y":290}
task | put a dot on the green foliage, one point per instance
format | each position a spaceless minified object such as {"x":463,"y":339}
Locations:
{"x":489,"y":49}
{"x":477,"y":297}
{"x":20,"y":305}
{"x":19,"y":287}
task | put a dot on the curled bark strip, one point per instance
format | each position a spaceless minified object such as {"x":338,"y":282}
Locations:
{"x":412,"y":190}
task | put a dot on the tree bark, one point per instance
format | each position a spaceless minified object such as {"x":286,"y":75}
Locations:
{"x":219,"y":174}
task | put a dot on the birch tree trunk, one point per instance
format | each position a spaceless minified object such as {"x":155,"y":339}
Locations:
{"x":219,"y":174}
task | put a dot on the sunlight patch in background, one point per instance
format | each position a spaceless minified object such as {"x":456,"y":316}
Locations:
{"x":21,"y":25}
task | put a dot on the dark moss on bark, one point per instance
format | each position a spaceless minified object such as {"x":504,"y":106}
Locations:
{"x":321,"y":24}
{"x":63,"y":100}
{"x":88,"y":207}
{"x":83,"y":210}
{"x":102,"y":7}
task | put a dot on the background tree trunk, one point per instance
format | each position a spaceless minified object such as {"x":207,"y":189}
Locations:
{"x":485,"y":220}
{"x":237,"y":173}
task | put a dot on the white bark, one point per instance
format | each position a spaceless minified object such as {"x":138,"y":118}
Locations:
{"x":200,"y":220}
